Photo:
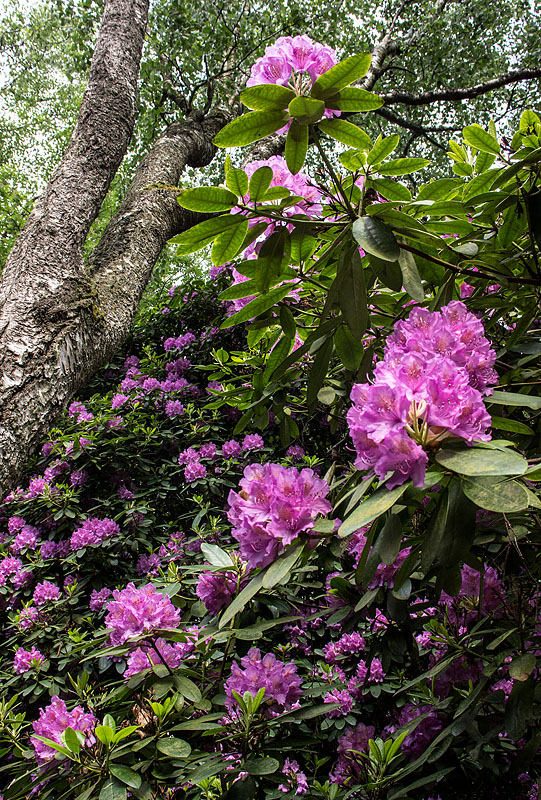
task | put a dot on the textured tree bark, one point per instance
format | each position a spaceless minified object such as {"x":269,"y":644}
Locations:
{"x":60,"y":322}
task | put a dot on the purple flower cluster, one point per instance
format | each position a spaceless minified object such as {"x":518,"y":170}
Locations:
{"x":281,"y":682}
{"x":180,"y":342}
{"x":216,"y":589}
{"x":429,"y":386}
{"x":98,"y":598}
{"x":354,"y":741}
{"x":53,"y":721}
{"x":134,"y":612}
{"x":45,"y":592}
{"x":26,"y":539}
{"x":296,"y":779}
{"x":194,"y":471}
{"x":161,"y":652}
{"x":252,"y":441}
{"x":80,"y":411}
{"x":275,"y":505}
{"x":26,"y":660}
{"x":290,"y":58}
{"x":173,"y":408}
{"x":231,"y":448}
{"x":93,"y":531}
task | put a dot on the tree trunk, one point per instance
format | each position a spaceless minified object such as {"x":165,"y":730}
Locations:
{"x":59,"y":322}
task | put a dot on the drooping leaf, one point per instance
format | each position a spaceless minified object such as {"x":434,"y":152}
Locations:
{"x":296,"y":146}
{"x":478,"y":462}
{"x":352,"y":297}
{"x":521,"y":667}
{"x":348,"y":348}
{"x":267,"y":97}
{"x":280,"y":568}
{"x":242,"y":599}
{"x":318,"y":371}
{"x":495,"y":494}
{"x":250,"y":128}
{"x":389,"y":539}
{"x":212,"y":199}
{"x":372,"y":507}
{"x":228,"y":244}
{"x":375,"y":237}
{"x":388,"y":272}
{"x":346,"y":133}
{"x":126,"y":775}
{"x":515,"y":399}
{"x":410,"y":276}
{"x":215,"y":555}
{"x":341,"y":75}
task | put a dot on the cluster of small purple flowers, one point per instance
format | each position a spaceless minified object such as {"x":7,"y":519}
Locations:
{"x":281,"y":682}
{"x":94,"y":532}
{"x":45,"y":592}
{"x":180,"y":342}
{"x":291,"y":57}
{"x":53,"y":721}
{"x":192,"y":458}
{"x":136,"y":611}
{"x":26,"y":660}
{"x":430,"y":385}
{"x":26,"y":539}
{"x":275,"y":505}
{"x":98,"y":598}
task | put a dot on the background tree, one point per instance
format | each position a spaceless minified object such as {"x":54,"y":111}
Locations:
{"x":61,"y":315}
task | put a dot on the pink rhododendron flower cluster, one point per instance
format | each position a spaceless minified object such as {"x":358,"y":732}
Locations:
{"x":45,"y":592}
{"x":354,"y":741}
{"x":289,"y":57}
{"x":53,"y":721}
{"x":216,"y":589}
{"x":281,"y":682}
{"x":161,"y":652}
{"x":133,"y":612}
{"x":180,"y":342}
{"x":98,"y":598}
{"x":26,"y":660}
{"x":275,"y":505}
{"x":296,"y":778}
{"x":26,"y":539}
{"x":93,"y":531}
{"x":429,"y":386}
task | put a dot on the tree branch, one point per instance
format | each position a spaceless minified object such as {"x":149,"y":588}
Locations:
{"x":466,"y":93}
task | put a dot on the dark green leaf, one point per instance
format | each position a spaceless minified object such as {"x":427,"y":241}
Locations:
{"x":441,"y":189}
{"x":521,"y":667}
{"x":174,"y":748}
{"x":348,"y":348}
{"x":296,"y":146}
{"x":375,"y":237}
{"x":476,"y":461}
{"x":287,"y":321}
{"x":410,"y":276}
{"x":318,"y":371}
{"x":388,"y":541}
{"x":250,"y":128}
{"x":519,"y":707}
{"x":514,"y":399}
{"x":495,"y":494}
{"x":388,"y":272}
{"x":113,"y":790}
{"x":352,"y":297}
{"x":187,"y":689}
{"x":71,"y":740}
{"x":505,"y":424}
{"x":372,"y":507}
{"x":267,"y":97}
{"x":240,"y":601}
{"x":126,"y":775}
{"x":261,"y":766}
{"x":207,"y":198}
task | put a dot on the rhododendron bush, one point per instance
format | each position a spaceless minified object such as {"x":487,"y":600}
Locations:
{"x":287,"y":543}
